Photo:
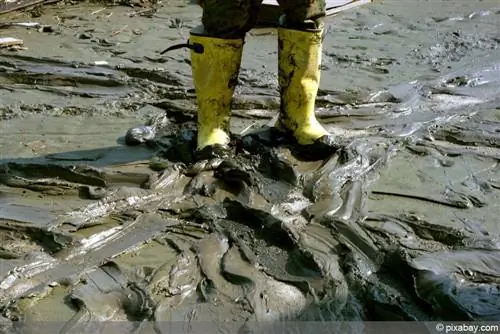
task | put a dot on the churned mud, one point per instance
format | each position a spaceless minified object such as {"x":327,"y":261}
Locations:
{"x":400,"y":224}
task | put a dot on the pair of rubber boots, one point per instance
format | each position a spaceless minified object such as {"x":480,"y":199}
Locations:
{"x":215,"y":66}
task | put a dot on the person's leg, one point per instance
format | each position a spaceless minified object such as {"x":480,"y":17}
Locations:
{"x":299,"y":56}
{"x":215,"y":61}
{"x":229,"y":18}
{"x":303,"y":15}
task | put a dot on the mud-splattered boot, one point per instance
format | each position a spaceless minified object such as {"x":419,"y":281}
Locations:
{"x":299,"y":59}
{"x":215,"y":66}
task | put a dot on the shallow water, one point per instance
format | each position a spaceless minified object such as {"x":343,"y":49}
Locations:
{"x":399,"y":225}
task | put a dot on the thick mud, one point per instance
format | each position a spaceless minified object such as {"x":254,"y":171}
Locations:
{"x":401,"y":224}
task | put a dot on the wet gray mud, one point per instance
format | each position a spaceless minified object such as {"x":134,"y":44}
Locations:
{"x":400,"y":224}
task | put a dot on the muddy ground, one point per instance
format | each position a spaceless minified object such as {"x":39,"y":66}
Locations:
{"x":400,"y":224}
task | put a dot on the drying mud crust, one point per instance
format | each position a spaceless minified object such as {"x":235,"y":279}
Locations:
{"x":108,"y":224}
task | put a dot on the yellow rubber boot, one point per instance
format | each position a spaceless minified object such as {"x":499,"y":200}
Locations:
{"x":299,"y":59}
{"x":215,"y":71}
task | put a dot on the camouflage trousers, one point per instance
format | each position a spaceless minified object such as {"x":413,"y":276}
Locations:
{"x":234,"y":18}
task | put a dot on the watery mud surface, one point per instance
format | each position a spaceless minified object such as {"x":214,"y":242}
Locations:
{"x":401,"y":224}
